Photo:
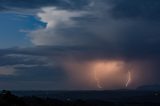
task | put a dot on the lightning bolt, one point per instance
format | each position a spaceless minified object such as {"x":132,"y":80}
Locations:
{"x":97,"y":80}
{"x":128,"y":79}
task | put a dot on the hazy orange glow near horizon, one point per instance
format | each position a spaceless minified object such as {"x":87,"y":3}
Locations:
{"x":103,"y":73}
{"x":104,"y":69}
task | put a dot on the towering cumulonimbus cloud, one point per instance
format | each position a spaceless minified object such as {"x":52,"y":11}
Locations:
{"x":55,"y":20}
{"x":104,"y":22}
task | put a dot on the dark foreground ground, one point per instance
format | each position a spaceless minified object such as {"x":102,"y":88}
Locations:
{"x":80,"y":98}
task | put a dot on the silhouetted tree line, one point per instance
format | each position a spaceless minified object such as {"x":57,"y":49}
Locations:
{"x":8,"y":99}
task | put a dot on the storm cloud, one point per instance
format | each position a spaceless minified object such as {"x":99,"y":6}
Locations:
{"x":86,"y":30}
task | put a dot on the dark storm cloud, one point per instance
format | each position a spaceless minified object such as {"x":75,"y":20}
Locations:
{"x":35,"y":73}
{"x":142,"y":37}
{"x":144,"y":9}
{"x":113,"y":28}
{"x":139,"y":20}
{"x":36,"y":4}
{"x":31,"y":69}
{"x":14,"y":60}
{"x":137,"y":9}
{"x":42,"y":55}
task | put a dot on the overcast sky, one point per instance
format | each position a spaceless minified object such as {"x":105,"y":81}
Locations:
{"x":55,"y":44}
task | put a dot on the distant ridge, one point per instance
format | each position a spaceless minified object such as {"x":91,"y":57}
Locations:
{"x":149,"y":87}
